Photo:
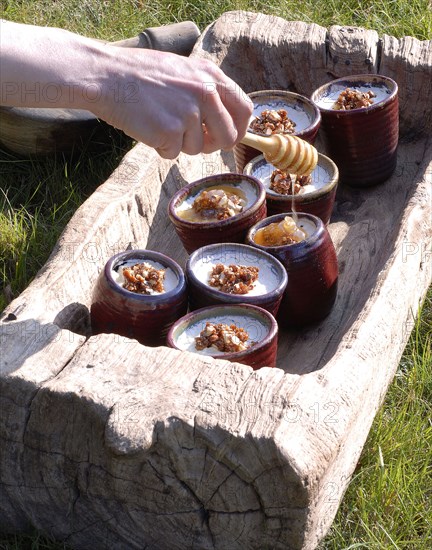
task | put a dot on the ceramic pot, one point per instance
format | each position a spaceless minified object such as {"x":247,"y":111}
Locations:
{"x":362,"y":141}
{"x":300,"y":109}
{"x":267,"y":291}
{"x":260,"y":325}
{"x":318,"y":198}
{"x":312,"y":269}
{"x":195,"y":234}
{"x":147,"y":318}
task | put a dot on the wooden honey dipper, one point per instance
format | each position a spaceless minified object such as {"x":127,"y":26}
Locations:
{"x":288,"y":153}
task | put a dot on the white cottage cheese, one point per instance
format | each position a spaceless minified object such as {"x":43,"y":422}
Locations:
{"x":170,"y":281}
{"x":254,"y":327}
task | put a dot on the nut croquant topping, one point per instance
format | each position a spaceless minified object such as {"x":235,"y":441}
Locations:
{"x":226,"y":338}
{"x":288,"y":184}
{"x":233,"y":279}
{"x":217,"y":204}
{"x":143,"y":278}
{"x":353,"y":99}
{"x":273,"y":121}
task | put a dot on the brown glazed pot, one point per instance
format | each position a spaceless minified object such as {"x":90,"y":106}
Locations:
{"x":362,"y":142}
{"x":319,"y":202}
{"x":259,"y":323}
{"x":147,"y":318}
{"x":271,"y":271}
{"x":197,"y":234}
{"x":312,"y":269}
{"x":300,"y":110}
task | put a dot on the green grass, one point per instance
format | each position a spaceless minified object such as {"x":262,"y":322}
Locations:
{"x":37,"y":199}
{"x":387,"y":504}
{"x":118,"y":19}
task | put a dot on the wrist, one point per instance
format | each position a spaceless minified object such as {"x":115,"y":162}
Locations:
{"x":109,"y":88}
{"x":85,"y":84}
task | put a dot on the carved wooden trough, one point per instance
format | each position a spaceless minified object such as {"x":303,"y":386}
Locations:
{"x":110,"y":444}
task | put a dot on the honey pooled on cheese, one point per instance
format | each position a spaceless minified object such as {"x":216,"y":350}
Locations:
{"x":280,"y":233}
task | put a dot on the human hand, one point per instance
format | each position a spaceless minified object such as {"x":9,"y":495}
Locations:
{"x":169,"y":102}
{"x":174,"y":103}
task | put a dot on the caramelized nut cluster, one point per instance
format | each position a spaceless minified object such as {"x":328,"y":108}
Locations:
{"x":233,"y":279}
{"x":143,"y":278}
{"x":353,"y":99}
{"x":216,"y":204}
{"x":288,"y":184}
{"x":226,"y":338}
{"x":278,"y":234}
{"x":273,"y":122}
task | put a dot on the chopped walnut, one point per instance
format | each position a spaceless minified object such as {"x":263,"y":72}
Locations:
{"x":143,"y":278}
{"x":278,"y":234}
{"x":288,"y":184}
{"x":273,"y":122}
{"x":216,"y":204}
{"x":353,"y":99}
{"x":233,"y":279}
{"x":225,"y":338}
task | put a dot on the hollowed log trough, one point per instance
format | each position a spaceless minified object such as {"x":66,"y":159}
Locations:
{"x":110,"y":444}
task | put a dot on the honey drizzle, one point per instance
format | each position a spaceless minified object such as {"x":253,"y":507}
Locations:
{"x":294,"y":211}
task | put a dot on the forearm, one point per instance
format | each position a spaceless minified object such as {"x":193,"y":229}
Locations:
{"x":55,"y":69}
{"x":169,"y":102}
